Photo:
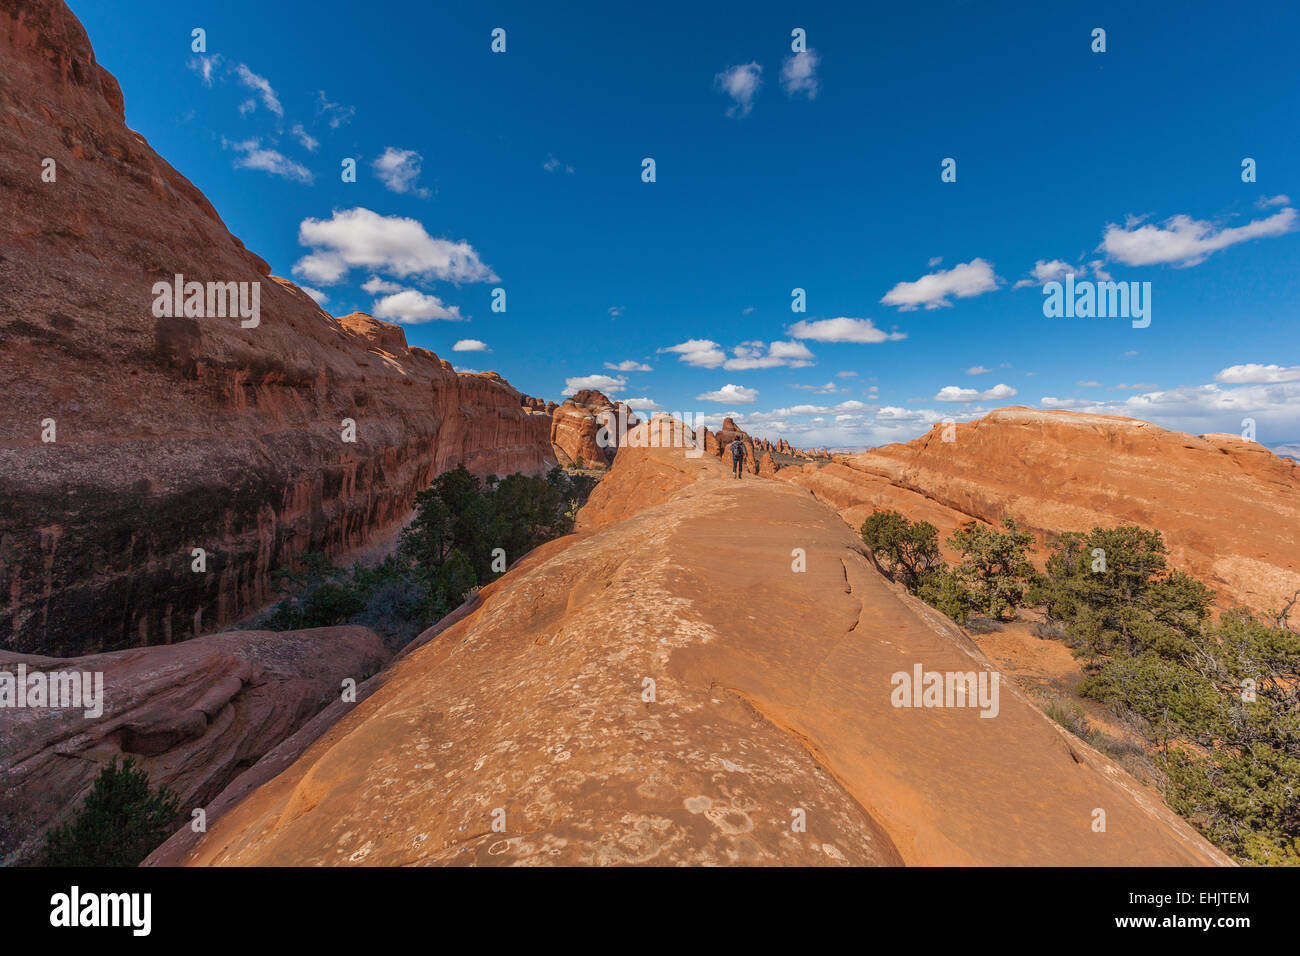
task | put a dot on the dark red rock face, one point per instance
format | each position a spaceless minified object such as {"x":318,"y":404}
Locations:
{"x":193,"y":716}
{"x":181,"y":433}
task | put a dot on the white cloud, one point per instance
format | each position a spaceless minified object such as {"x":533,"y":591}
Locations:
{"x":702,"y":353}
{"x":616,"y":310}
{"x":740,"y":83}
{"x":932,"y":291}
{"x":952,"y":393}
{"x":255,"y":156}
{"x":629,"y":366}
{"x":398,"y":169}
{"x":796,"y":411}
{"x":470,"y":345}
{"x":1196,"y":409}
{"x":749,"y":355}
{"x":978,"y":370}
{"x":1184,"y":241}
{"x":394,"y":244}
{"x":799,"y":74}
{"x":375,"y":285}
{"x":1258,"y":374}
{"x":205,"y":66}
{"x":1290,"y":450}
{"x":849,"y":425}
{"x":320,"y":298}
{"x":641,"y":404}
{"x":1088,"y":384}
{"x":553,"y":165}
{"x":846,"y":374}
{"x":466,"y":371}
{"x":705,"y":353}
{"x":413,"y":307}
{"x":827,"y":389}
{"x":309,"y":142}
{"x":1201,"y":409}
{"x":335,"y":114}
{"x":1264,"y":202}
{"x":260,"y":86}
{"x":842,"y":329}
{"x":730,"y":395}
{"x":1053,"y":271}
{"x":601,"y":383}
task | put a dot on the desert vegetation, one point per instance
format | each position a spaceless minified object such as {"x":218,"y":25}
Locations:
{"x":463,"y":535}
{"x":120,"y":823}
{"x":1216,"y":696}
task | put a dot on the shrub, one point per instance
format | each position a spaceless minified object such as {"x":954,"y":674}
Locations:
{"x":1116,"y":594}
{"x":1170,"y":699}
{"x":904,"y":550}
{"x":943,"y":590}
{"x":1221,"y":701}
{"x":121,"y":822}
{"x":445,"y":552}
{"x":1069,"y":715}
{"x":995,"y":567}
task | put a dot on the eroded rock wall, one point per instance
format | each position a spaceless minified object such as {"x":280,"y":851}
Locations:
{"x":171,"y":434}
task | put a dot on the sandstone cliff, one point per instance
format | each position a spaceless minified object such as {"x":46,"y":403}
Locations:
{"x":1229,"y":509}
{"x":172,"y":434}
{"x":664,"y":687}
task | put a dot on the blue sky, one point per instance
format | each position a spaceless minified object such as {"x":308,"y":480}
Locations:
{"x":775,"y":170}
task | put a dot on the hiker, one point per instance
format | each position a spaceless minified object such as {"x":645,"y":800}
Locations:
{"x":737,"y":456}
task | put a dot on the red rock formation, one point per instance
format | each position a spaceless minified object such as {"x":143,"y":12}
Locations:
{"x":193,"y":715}
{"x":729,"y":432}
{"x":182,"y":433}
{"x":664,"y":688}
{"x":1229,"y":509}
{"x":584,"y":428}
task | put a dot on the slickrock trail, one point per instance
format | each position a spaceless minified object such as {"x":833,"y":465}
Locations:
{"x":771,"y":700}
{"x":1229,"y":508}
